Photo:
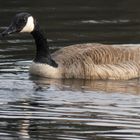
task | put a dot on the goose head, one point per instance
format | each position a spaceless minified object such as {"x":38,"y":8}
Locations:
{"x":22,"y":22}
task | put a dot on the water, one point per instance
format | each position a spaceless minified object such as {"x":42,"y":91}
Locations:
{"x":33,"y":108}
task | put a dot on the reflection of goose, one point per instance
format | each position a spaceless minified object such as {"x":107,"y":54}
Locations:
{"x":84,"y":61}
{"x":109,"y":86}
{"x":24,"y":128}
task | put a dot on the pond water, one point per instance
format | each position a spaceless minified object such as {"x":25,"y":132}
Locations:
{"x":33,"y":108}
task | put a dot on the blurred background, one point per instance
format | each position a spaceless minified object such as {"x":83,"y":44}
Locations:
{"x":79,"y":21}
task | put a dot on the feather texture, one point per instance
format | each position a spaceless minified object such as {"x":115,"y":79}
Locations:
{"x":98,"y":61}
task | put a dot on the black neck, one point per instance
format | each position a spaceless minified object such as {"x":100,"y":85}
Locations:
{"x":42,"y":49}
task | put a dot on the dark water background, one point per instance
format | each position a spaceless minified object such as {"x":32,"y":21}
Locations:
{"x":33,"y":108}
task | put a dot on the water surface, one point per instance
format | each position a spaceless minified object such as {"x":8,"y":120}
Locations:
{"x":33,"y":108}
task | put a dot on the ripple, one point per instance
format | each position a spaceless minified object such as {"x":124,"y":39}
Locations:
{"x":105,"y":21}
{"x":72,"y":109}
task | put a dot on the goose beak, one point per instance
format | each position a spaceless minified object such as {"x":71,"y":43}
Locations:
{"x":11,"y":29}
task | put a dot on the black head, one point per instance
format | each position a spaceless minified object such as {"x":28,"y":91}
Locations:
{"x":22,"y":22}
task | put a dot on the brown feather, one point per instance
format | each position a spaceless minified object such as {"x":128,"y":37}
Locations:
{"x":98,"y":61}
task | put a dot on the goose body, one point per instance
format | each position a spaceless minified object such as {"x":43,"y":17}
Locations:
{"x":92,"y":61}
{"x":83,"y":61}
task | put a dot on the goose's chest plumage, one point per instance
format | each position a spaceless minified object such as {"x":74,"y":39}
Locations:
{"x":45,"y":70}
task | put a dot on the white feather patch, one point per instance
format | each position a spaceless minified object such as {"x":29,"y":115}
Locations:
{"x":29,"y":27}
{"x":45,"y":70}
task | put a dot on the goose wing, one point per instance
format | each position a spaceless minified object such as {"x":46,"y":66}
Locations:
{"x":97,"y":53}
{"x":97,"y":61}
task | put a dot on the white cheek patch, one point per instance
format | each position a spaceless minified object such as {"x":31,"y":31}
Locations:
{"x":29,"y":27}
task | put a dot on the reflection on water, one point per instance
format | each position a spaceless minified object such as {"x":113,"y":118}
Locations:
{"x":68,"y":109}
{"x":111,"y":86}
{"x":33,"y":108}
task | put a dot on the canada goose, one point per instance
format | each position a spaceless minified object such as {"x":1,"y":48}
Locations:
{"x":84,"y":61}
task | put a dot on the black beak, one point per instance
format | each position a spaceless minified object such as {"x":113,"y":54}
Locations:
{"x":11,"y":29}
